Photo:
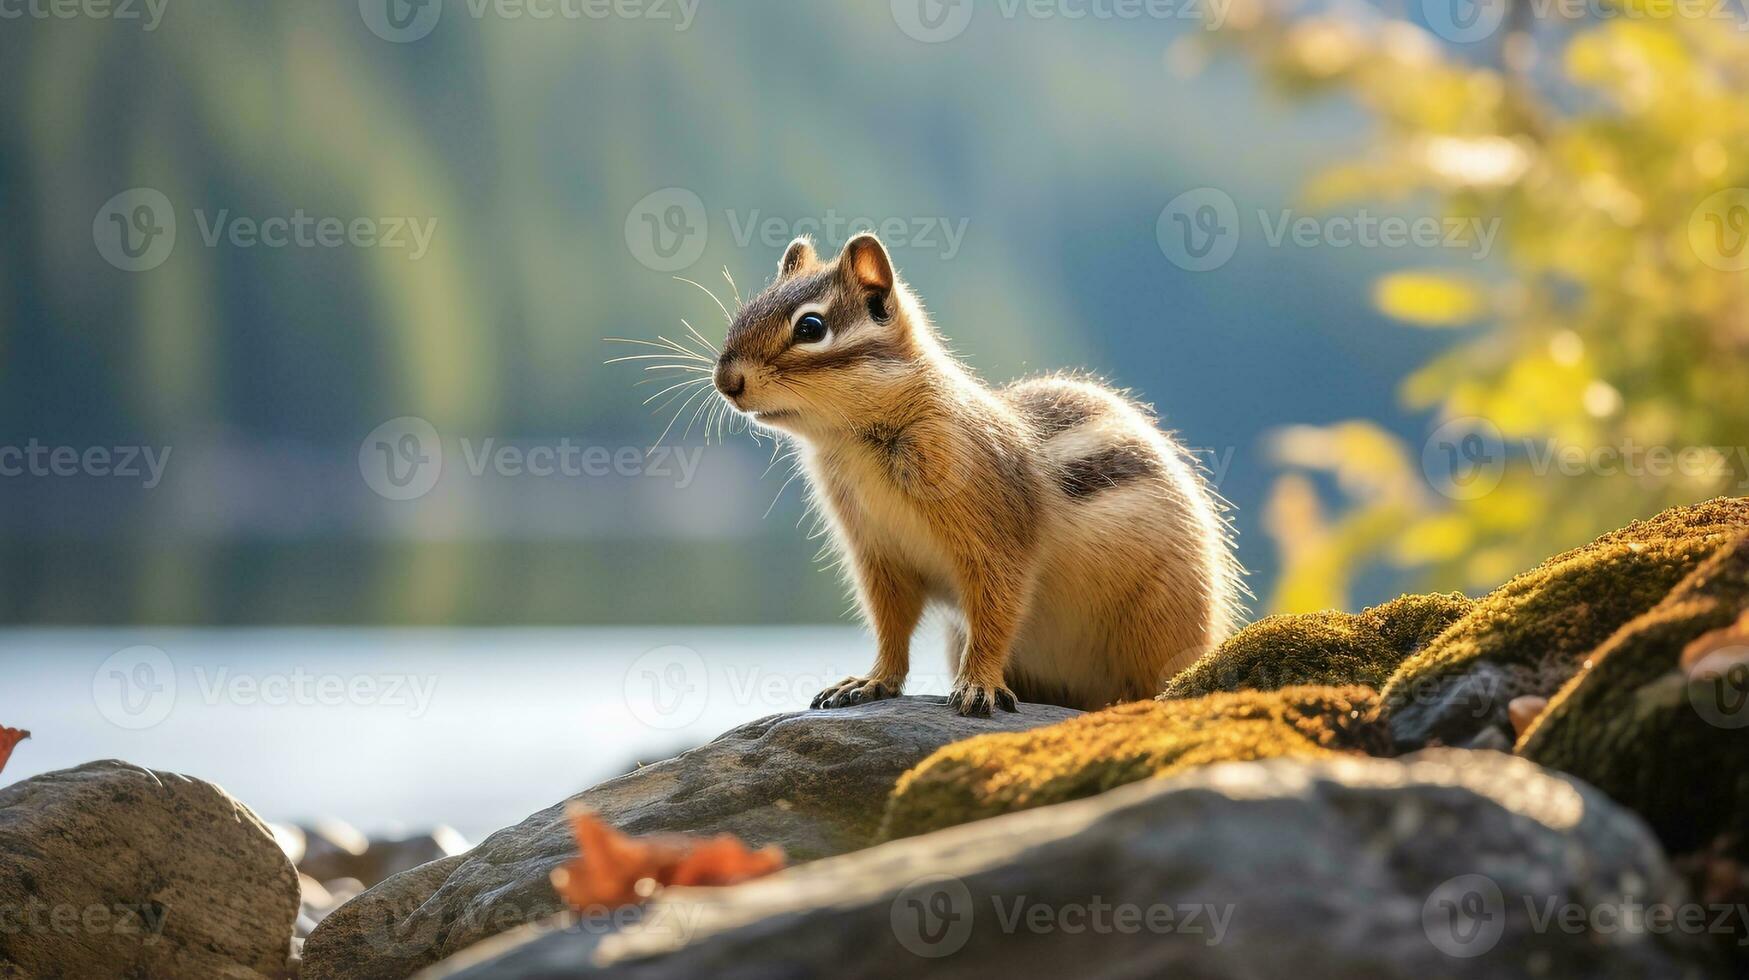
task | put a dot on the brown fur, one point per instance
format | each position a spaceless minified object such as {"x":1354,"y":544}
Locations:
{"x":1081,"y":557}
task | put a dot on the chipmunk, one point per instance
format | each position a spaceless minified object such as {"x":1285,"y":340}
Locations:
{"x":1081,"y":557}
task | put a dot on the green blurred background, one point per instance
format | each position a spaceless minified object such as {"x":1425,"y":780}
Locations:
{"x":1319,"y":379}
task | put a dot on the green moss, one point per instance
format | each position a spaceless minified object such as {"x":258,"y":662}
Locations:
{"x":1633,"y":723}
{"x":1001,"y":773}
{"x":1321,"y":648}
{"x":1531,"y":634}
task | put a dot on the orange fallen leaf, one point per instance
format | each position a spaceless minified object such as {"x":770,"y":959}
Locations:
{"x":9,"y":737}
{"x":614,"y":870}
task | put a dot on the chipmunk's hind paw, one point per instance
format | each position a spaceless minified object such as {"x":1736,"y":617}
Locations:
{"x":855,"y":690}
{"x":976,"y":700}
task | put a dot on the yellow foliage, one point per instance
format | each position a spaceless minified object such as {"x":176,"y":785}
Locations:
{"x":1429,"y":299}
{"x":1616,"y":313}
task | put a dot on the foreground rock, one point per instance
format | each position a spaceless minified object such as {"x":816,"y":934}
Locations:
{"x":813,"y":783}
{"x":110,"y":870}
{"x":1444,"y":864}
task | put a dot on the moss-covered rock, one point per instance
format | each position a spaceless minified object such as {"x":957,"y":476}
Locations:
{"x":1321,"y":648}
{"x":993,"y":774}
{"x":1530,"y":635}
{"x":1669,"y":740}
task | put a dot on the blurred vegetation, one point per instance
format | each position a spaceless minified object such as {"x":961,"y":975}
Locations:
{"x":1595,"y":322}
{"x":528,"y":142}
{"x":1612,"y":151}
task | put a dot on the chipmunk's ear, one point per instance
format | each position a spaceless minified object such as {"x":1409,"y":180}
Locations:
{"x":866,"y":264}
{"x":797,"y":257}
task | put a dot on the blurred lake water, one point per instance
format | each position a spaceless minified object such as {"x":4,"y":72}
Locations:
{"x":402,"y":729}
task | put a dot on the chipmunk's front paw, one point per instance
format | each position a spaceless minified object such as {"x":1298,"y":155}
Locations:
{"x":856,"y":690}
{"x":975,"y":700}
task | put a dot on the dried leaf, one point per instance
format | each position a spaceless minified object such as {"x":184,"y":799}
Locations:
{"x":615,"y":870}
{"x":9,"y":737}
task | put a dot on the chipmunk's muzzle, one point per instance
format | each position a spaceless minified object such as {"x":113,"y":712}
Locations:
{"x":730,"y":379}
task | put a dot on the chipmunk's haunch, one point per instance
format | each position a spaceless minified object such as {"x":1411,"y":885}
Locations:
{"x":1081,"y":555}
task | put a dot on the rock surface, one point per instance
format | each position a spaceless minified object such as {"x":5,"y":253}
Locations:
{"x":994,"y":774}
{"x":1666,"y":737}
{"x":1322,"y":648}
{"x":1531,"y":635}
{"x":1445,"y":864}
{"x":111,"y":870}
{"x":813,"y":783}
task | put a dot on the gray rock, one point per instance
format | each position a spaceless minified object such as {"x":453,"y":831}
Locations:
{"x":110,"y":870}
{"x":333,"y":850}
{"x":813,"y":783}
{"x":1449,"y":863}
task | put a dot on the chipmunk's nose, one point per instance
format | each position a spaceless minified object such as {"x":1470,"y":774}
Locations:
{"x":731,"y":380}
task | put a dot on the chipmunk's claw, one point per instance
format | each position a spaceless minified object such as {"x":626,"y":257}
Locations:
{"x":853,"y":691}
{"x":975,"y":700}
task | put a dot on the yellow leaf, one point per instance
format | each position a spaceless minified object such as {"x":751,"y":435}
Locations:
{"x":1429,"y":299}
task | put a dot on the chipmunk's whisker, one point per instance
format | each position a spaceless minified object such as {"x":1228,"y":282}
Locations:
{"x":773,"y":505}
{"x":739,"y":302}
{"x":690,"y":422}
{"x":677,"y":412}
{"x":695,"y":333}
{"x":691,"y":355}
{"x":667,"y":377}
{"x":671,"y":399}
{"x":667,"y":345}
{"x":684,"y":384}
{"x":679,"y":367}
{"x":726,"y":317}
{"x":648,"y":357}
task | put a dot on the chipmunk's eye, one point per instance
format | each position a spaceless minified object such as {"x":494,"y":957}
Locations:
{"x":810,"y":329}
